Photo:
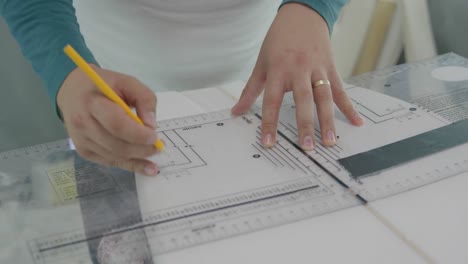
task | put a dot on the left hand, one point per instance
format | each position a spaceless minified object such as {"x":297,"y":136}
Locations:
{"x":295,"y":54}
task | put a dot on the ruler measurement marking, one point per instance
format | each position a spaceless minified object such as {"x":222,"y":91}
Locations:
{"x":268,"y":151}
{"x":178,"y":218}
{"x":364,"y":201}
{"x":294,"y":160}
{"x":264,"y":154}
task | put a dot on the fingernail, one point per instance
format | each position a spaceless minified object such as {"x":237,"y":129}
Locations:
{"x":268,"y":140}
{"x":235,"y":110}
{"x":150,"y":170}
{"x":331,"y":139}
{"x":150,"y":119}
{"x":358,"y":118}
{"x":152,"y":139}
{"x":308,"y":143}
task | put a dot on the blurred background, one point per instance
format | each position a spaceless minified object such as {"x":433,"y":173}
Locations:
{"x":370,"y":34}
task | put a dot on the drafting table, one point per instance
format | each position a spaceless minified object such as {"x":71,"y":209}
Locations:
{"x":424,"y":225}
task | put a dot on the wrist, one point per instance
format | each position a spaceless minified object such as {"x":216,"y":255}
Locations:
{"x":328,"y":10}
{"x":309,"y":17}
{"x":75,"y":76}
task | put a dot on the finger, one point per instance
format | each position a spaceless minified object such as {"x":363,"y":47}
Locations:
{"x":325,"y":112}
{"x":139,"y":96}
{"x":272,"y":99}
{"x":252,"y":90}
{"x":113,"y":118}
{"x":90,"y":150}
{"x":343,"y":102}
{"x":83,"y":150}
{"x":118,"y":147}
{"x":140,"y":166}
{"x":304,"y":100}
{"x":102,"y":156}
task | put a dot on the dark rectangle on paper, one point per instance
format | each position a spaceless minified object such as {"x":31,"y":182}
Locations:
{"x":406,"y":150}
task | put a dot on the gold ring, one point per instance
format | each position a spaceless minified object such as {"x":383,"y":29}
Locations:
{"x":320,"y":82}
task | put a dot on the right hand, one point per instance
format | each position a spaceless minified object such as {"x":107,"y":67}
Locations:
{"x":100,"y":129}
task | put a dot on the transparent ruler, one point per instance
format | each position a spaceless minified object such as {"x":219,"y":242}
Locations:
{"x":307,"y":185}
{"x":439,"y":84}
{"x":285,"y":185}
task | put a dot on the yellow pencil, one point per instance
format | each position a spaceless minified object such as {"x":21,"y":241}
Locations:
{"x":104,"y":87}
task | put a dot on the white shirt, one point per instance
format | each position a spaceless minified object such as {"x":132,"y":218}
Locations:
{"x":177,"y":44}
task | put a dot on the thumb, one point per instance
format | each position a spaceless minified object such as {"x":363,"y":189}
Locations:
{"x":252,"y":90}
{"x":138,"y":95}
{"x":146,"y":107}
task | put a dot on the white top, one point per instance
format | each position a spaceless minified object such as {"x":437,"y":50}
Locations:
{"x":177,"y":44}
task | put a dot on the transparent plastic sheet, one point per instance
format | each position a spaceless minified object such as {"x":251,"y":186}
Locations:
{"x":46,"y":196}
{"x":438,"y":84}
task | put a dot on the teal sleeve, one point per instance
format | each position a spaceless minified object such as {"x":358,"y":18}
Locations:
{"x":42,"y":28}
{"x":328,"y":9}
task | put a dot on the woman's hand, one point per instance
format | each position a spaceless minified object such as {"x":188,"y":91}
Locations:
{"x":295,"y":54}
{"x":101,"y":131}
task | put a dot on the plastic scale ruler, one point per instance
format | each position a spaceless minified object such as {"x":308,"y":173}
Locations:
{"x":308,"y":190}
{"x":320,"y":192}
{"x":438,"y":84}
